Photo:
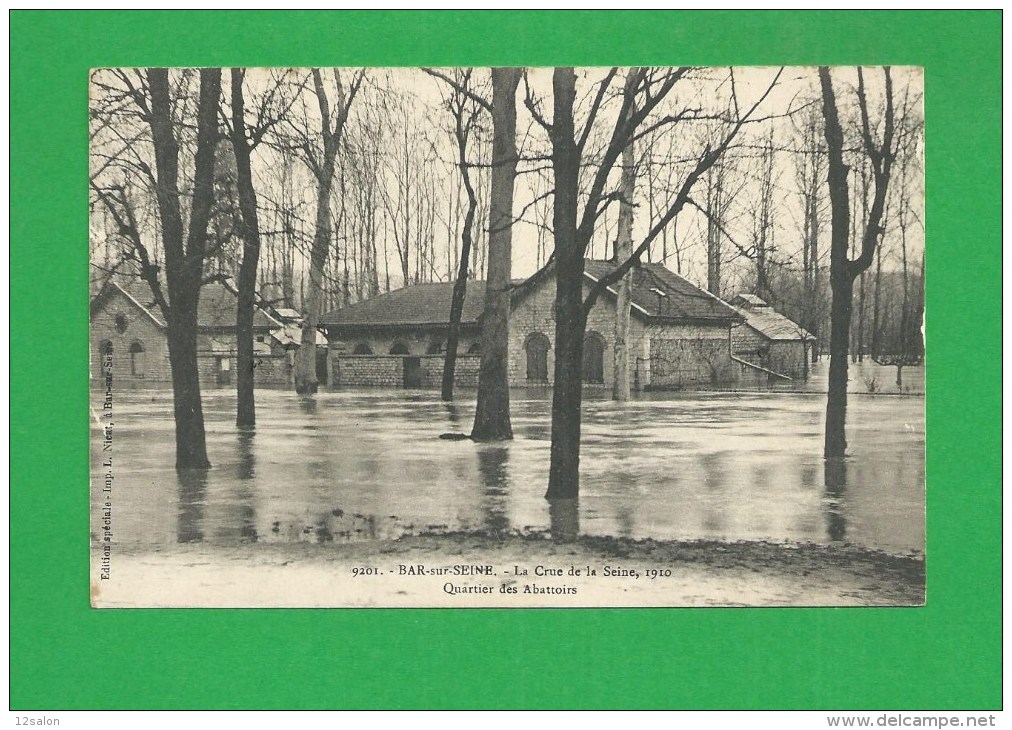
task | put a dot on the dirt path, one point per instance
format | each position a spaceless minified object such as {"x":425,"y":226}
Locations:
{"x":466,"y":570}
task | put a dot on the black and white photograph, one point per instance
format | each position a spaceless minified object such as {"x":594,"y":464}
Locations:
{"x":507,"y":337}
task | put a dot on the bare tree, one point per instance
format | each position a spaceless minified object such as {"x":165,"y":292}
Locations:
{"x":321,"y":159}
{"x":184,"y":248}
{"x":492,"y":415}
{"x":465,"y":111}
{"x":245,"y":139}
{"x":809,"y":173}
{"x":643,"y":91}
{"x":843,"y":271}
{"x":623,"y":251}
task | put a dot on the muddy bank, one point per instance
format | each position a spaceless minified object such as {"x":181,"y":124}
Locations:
{"x":479,"y":570}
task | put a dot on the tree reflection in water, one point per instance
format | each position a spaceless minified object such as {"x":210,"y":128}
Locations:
{"x":493,"y":466}
{"x":836,"y":486}
{"x":192,"y":499}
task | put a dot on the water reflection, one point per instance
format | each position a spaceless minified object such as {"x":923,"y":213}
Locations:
{"x":714,"y":468}
{"x":452,"y":412}
{"x":192,"y":499}
{"x":356,"y":466}
{"x":247,"y":461}
{"x":564,"y":516}
{"x":493,"y":467}
{"x":836,"y":486}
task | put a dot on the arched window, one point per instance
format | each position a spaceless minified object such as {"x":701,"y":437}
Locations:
{"x":435,"y":347}
{"x":106,"y":347}
{"x":362,"y":348}
{"x":399,"y":348}
{"x":121,"y":323}
{"x":536,"y":347}
{"x":137,"y":359}
{"x":475,"y":348}
{"x":593,"y":358}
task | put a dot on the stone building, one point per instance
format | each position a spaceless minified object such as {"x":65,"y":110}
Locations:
{"x":770,"y":340}
{"x":126,"y":323}
{"x":680,"y":335}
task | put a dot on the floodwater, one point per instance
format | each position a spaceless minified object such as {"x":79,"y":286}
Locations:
{"x":368,"y":464}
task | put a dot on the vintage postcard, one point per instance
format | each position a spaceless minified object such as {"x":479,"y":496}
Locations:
{"x":511,"y":337}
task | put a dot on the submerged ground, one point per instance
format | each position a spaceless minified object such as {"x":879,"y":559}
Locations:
{"x":723,"y":495}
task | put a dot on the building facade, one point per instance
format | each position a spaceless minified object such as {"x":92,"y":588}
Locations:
{"x":680,"y":335}
{"x":770,"y":340}
{"x":129,"y":335}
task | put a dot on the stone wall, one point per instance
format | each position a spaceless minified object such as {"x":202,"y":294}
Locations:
{"x":691,"y":356}
{"x":536,"y":314}
{"x":746,"y":342}
{"x":788,"y":357}
{"x":138,"y":330}
{"x":388,"y":370}
{"x":268,"y":370}
{"x":151,"y":366}
{"x":381,"y":370}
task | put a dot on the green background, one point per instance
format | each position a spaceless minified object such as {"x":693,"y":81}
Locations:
{"x":66,"y":656}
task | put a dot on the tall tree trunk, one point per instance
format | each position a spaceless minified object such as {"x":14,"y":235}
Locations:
{"x":306,"y":381}
{"x":842,"y":270}
{"x":570,"y":320}
{"x":492,"y":416}
{"x":305,"y":359}
{"x":841,"y":283}
{"x":245,"y":399}
{"x":462,"y":129}
{"x":457,"y":300}
{"x":876,"y":312}
{"x":184,"y":265}
{"x":623,"y":250}
{"x":714,"y":205}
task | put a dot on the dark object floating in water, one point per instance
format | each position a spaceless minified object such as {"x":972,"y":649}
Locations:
{"x":454,"y":436}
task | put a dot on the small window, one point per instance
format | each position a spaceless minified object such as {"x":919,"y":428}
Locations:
{"x":137,"y":360}
{"x":435,"y":348}
{"x":121,"y":323}
{"x":475,"y":348}
{"x":260,"y":338}
{"x":399,"y":348}
{"x":362,"y":348}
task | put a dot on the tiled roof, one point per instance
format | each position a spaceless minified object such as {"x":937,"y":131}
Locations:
{"x":217,"y":305}
{"x":748,"y":300}
{"x":660,"y":293}
{"x":137,"y":292}
{"x":429,"y":304}
{"x":773,"y":325}
{"x":418,"y":305}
